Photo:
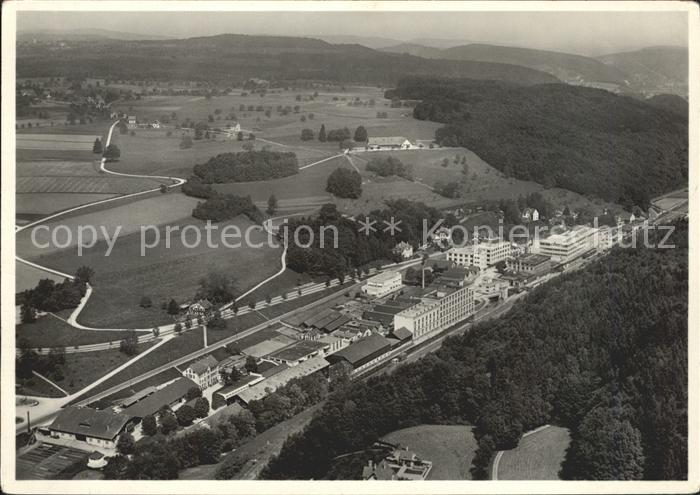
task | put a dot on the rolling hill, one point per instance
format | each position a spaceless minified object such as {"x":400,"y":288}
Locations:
{"x":586,"y":140}
{"x":655,"y":69}
{"x":235,"y":58}
{"x":564,"y":66}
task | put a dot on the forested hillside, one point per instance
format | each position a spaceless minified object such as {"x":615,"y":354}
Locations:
{"x":586,"y":140}
{"x":602,"y":351}
{"x":234,"y":58}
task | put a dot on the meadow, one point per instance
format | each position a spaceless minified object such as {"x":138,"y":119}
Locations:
{"x":538,"y":456}
{"x":450,"y":448}
{"x":166,"y":271}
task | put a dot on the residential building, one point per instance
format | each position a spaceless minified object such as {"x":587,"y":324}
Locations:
{"x":87,"y":428}
{"x":403,"y":249}
{"x":398,"y":465}
{"x":529,"y":263}
{"x":482,"y":254}
{"x":439,"y":309}
{"x":382,"y":284}
{"x":363,"y":353}
{"x":200,"y":308}
{"x":568,"y":245}
{"x":204,"y":372}
{"x":389,"y":143}
{"x":530,"y":215}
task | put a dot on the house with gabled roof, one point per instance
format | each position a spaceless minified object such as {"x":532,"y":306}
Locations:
{"x":204,"y":372}
{"x":86,"y":428}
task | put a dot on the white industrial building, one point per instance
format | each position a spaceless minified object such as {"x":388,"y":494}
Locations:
{"x":382,"y":284}
{"x":484,"y":254}
{"x":568,"y":245}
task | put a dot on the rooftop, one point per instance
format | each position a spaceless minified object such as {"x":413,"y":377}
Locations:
{"x":364,"y":348}
{"x":202,"y":365}
{"x":105,"y":424}
{"x":387,"y":141}
{"x":384,"y":277}
{"x":297,"y":350}
{"x":165,"y":396}
{"x":269,"y":385}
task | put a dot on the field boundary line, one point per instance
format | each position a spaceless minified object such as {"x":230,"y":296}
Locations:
{"x":36,"y":373}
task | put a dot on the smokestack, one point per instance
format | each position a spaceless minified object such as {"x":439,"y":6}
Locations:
{"x":422,"y":272}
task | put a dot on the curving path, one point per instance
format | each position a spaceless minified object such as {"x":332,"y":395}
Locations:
{"x":177,"y":181}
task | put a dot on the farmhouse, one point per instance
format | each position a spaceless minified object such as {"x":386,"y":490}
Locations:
{"x":87,"y":428}
{"x":388,"y":143}
{"x":530,"y":215}
{"x":200,"y":308}
{"x":204,"y":372}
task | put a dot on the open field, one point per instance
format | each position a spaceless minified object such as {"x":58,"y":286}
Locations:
{"x":26,"y":276}
{"x":54,"y":168}
{"x":24,"y":155}
{"x":156,"y":210}
{"x":36,"y":387}
{"x":43,"y":204}
{"x":304,"y":190}
{"x":83,"y":368}
{"x":79,"y":184}
{"x":50,"y":331}
{"x":167,"y":271}
{"x":450,"y":448}
{"x":537,"y":457}
{"x":94,"y":129}
{"x":54,"y":141}
{"x":186,"y":343}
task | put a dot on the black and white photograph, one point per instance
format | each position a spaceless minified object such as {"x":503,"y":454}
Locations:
{"x":337,"y":245}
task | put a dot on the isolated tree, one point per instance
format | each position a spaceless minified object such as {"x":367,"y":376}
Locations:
{"x":251,"y":136}
{"x":272,"y":204}
{"x":193,"y":393}
{"x":156,"y":331}
{"x":185,"y":142}
{"x":84,"y":274}
{"x":145,"y":302}
{"x":344,"y":183}
{"x":168,"y":423}
{"x":322,"y":134}
{"x":129,"y":344}
{"x":307,"y":134}
{"x":239,"y":136}
{"x":178,"y":327}
{"x":251,"y":364}
{"x":27,"y":313}
{"x":163,"y":189}
{"x":185,"y":415}
{"x":201,"y":407}
{"x":360,"y":134}
{"x":173,"y":307}
{"x":125,"y":444}
{"x":217,"y":287}
{"x":97,"y":147}
{"x":149,"y":426}
{"x":112,"y":152}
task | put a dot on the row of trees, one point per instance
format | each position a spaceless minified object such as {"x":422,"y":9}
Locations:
{"x":611,"y":369}
{"x":219,"y":207}
{"x":51,"y":296}
{"x":388,"y":166}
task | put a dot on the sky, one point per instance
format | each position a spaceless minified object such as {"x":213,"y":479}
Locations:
{"x":585,"y":33}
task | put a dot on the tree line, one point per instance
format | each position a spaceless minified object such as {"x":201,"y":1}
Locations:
{"x":601,"y":351}
{"x":247,"y":166}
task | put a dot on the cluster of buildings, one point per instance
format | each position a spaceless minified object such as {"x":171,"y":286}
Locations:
{"x":398,"y":465}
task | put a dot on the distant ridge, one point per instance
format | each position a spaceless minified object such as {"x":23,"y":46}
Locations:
{"x":83,"y":34}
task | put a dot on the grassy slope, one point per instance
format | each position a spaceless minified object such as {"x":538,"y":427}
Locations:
{"x":537,"y":457}
{"x":450,"y":448}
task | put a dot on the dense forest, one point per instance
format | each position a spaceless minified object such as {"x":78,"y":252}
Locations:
{"x":247,"y":166}
{"x":354,"y":248}
{"x":559,"y":135}
{"x":602,"y":351}
{"x":227,"y":56}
